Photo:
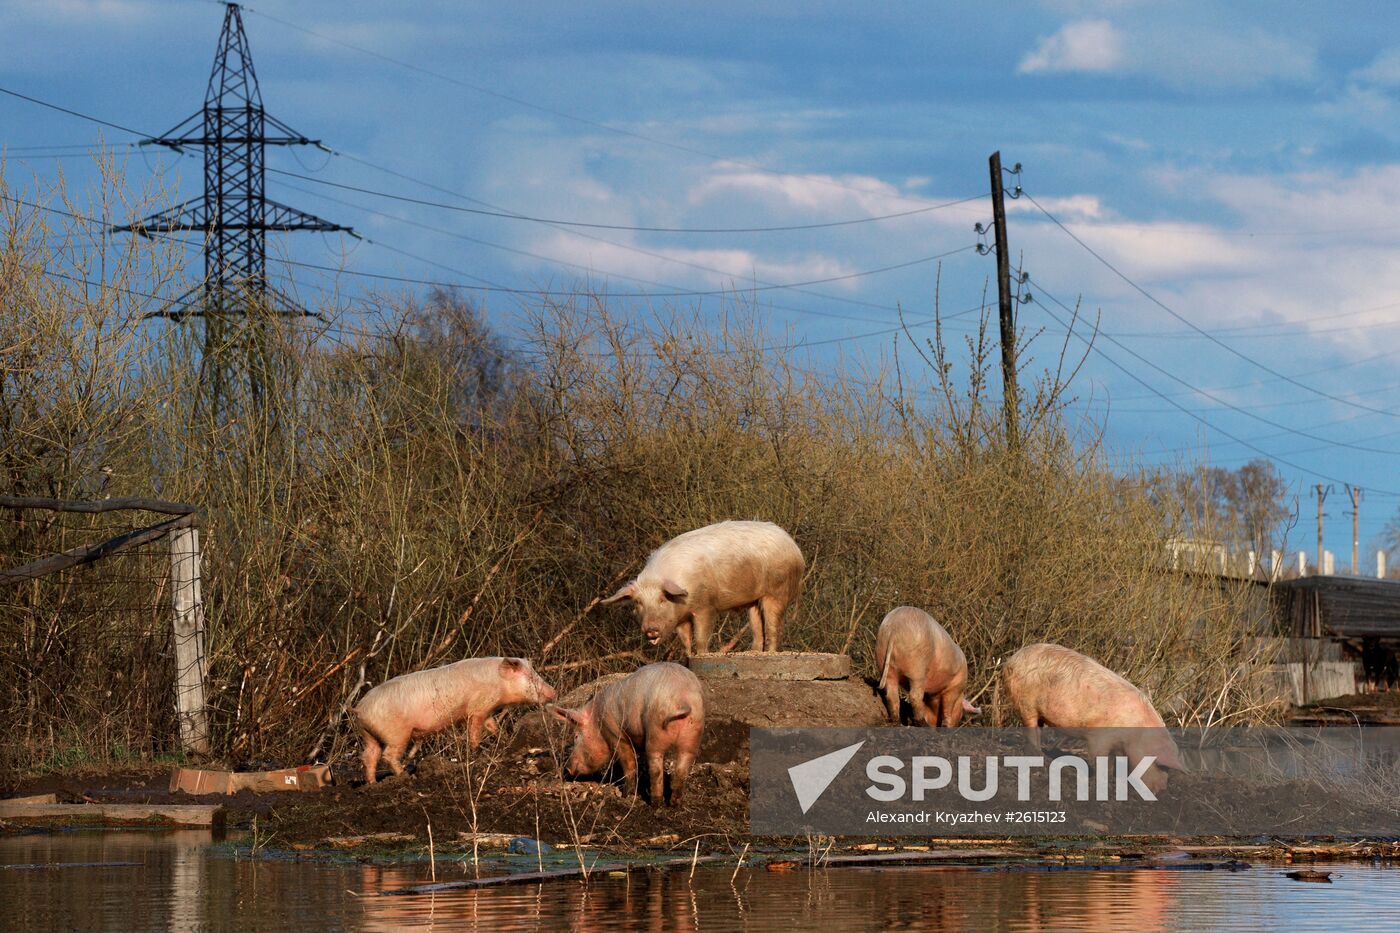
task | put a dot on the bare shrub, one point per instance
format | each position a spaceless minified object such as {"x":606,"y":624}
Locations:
{"x":408,"y":491}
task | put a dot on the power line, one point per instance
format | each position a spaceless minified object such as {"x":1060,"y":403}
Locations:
{"x":641,"y":251}
{"x":1265,"y":437}
{"x":487,"y":243}
{"x":678,"y":294}
{"x":489,"y":286}
{"x":1261,"y":382}
{"x":58,"y":146}
{"x":1292,"y":403}
{"x":506,"y":213}
{"x":1213,"y":339}
{"x":589,"y":270}
{"x":1222,"y":402}
{"x":72,"y":113}
{"x":1146,"y":385}
{"x":554,"y":221}
{"x":441,"y":284}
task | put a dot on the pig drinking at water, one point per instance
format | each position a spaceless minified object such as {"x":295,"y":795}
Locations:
{"x":655,"y":709}
{"x":917,"y":653}
{"x":1049,"y":685}
{"x":412,"y":706}
{"x":691,"y":579}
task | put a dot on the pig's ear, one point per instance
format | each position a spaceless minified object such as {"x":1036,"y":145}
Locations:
{"x":627,"y":592}
{"x":673,"y":590}
{"x":513,"y":665}
{"x":567,"y":715}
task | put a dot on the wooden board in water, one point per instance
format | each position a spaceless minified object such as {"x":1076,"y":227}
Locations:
{"x":179,"y":814}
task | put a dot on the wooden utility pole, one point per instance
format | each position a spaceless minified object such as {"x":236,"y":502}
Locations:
{"x":1355,"y":529}
{"x":1010,"y":395}
{"x":1321,"y":497}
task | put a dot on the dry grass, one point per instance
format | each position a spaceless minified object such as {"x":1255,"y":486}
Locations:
{"x":407,"y":492}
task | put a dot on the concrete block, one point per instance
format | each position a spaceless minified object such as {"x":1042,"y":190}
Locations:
{"x":771,"y":665}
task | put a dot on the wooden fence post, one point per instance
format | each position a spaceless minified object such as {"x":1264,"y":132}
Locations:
{"x":188,"y":602}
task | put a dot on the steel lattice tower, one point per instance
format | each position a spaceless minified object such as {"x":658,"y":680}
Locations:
{"x":233,"y":213}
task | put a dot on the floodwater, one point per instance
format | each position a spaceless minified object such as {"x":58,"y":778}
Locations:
{"x":176,"y":881}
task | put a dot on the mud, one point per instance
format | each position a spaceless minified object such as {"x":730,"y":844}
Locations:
{"x":513,"y":785}
{"x":1378,"y":709}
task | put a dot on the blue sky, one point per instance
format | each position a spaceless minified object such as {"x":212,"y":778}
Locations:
{"x":1238,"y":161}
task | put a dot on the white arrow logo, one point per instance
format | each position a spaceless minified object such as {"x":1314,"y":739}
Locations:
{"x":811,"y":778}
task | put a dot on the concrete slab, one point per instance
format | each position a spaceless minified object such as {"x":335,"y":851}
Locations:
{"x":771,"y":665}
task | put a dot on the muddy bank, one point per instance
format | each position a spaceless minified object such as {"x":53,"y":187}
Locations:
{"x":1374,"y":709}
{"x":512,"y":787}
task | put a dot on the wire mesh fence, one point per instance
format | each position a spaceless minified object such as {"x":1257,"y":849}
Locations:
{"x":94,"y":667}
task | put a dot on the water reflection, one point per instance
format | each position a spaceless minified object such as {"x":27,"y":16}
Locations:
{"x":177,"y":882}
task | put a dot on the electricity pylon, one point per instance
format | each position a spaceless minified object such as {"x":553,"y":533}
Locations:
{"x":234,"y":214}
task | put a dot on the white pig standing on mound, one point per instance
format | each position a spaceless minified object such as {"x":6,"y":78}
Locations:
{"x":1050,"y":685}
{"x":412,"y":706}
{"x":917,"y":653}
{"x":691,"y":579}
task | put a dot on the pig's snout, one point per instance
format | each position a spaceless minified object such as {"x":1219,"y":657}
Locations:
{"x":1155,"y":779}
{"x":653,"y":635}
{"x":546,"y":693}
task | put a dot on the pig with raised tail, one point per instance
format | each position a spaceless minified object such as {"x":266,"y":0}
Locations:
{"x":691,"y":579}
{"x":413,"y":706}
{"x":656,"y":709}
{"x":1050,"y":685}
{"x":918,"y":654}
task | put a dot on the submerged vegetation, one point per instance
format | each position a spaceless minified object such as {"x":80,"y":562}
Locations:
{"x":402,"y":484}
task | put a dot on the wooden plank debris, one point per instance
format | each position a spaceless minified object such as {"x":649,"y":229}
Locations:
{"x":179,"y":814}
{"x":528,"y":877}
{"x":201,"y":781}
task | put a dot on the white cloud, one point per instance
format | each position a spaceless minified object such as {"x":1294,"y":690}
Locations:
{"x":1223,"y":59}
{"x":1384,"y":70}
{"x":85,"y":11}
{"x":1073,"y":207}
{"x":813,"y":192}
{"x":1172,"y":53}
{"x":1306,"y":251}
{"x":1087,"y":45}
{"x":713,"y":268}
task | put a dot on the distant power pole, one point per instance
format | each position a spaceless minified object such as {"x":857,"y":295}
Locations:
{"x":1322,"y":492}
{"x":233,"y":213}
{"x":1355,"y":528}
{"x":1010,"y":394}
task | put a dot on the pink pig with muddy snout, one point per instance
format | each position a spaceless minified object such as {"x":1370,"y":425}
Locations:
{"x":412,"y":706}
{"x":917,"y":653}
{"x":691,"y":579}
{"x":1050,"y":685}
{"x":654,"y":710}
